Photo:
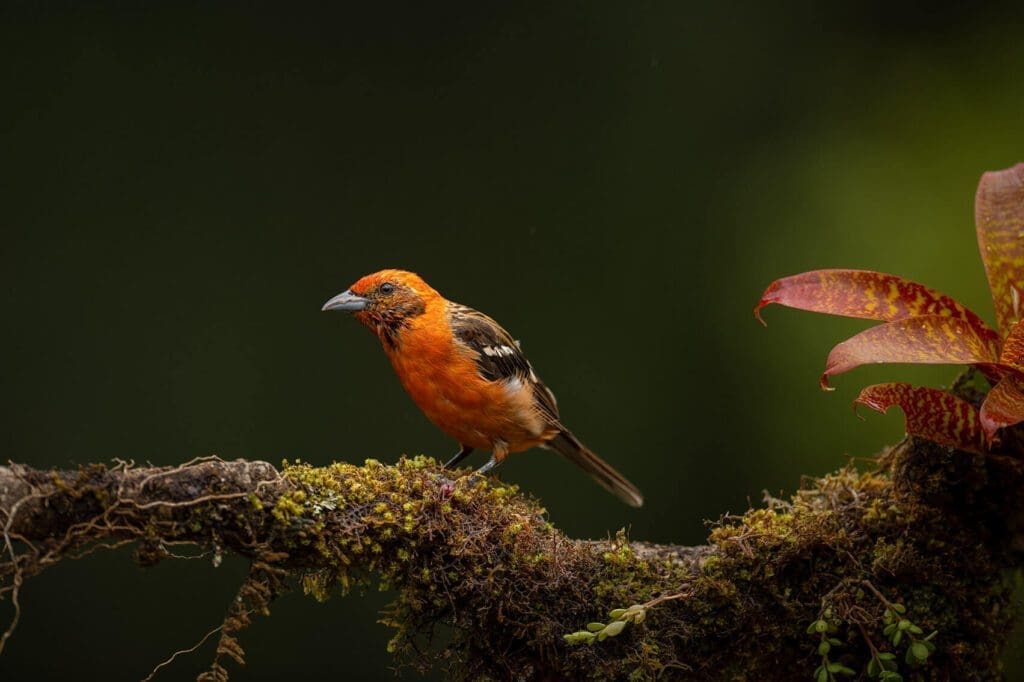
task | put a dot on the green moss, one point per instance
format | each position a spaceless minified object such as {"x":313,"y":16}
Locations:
{"x":926,"y":531}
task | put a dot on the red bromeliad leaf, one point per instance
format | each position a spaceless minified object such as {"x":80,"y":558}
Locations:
{"x":999,"y":216}
{"x":930,"y":413}
{"x":1004,"y":405}
{"x":929,"y":339}
{"x":1012,"y":354}
{"x":864,"y":294}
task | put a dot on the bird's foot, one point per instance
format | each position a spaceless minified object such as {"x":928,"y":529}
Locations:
{"x":447,"y":487}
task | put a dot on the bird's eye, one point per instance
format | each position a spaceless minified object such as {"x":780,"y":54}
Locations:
{"x":387,"y":288}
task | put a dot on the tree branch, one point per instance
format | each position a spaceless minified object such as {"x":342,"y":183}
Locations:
{"x":933,"y":530}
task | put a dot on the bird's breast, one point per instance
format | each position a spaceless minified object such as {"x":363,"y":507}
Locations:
{"x":443,"y":380}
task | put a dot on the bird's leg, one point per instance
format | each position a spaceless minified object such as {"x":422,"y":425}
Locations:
{"x":500,"y":450}
{"x":491,"y":463}
{"x":497,"y":457}
{"x":463,"y":453}
{"x":448,"y":485}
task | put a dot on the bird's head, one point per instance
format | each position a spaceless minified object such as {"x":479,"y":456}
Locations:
{"x":385,"y":301}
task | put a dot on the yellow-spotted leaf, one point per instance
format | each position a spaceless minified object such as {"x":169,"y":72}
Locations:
{"x":999,"y":218}
{"x":1004,"y":405}
{"x":864,"y":294}
{"x":1012,"y":354}
{"x":930,"y":413}
{"x":929,"y":339}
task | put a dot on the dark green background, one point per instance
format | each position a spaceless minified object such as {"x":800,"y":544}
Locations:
{"x":182,"y":188}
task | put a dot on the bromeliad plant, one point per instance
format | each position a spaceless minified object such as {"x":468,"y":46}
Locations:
{"x":925,"y":326}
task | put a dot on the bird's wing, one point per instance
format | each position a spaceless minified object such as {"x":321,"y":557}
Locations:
{"x":498,"y":356}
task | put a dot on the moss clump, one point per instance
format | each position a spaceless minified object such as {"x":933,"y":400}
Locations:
{"x":482,"y":559}
{"x":841,"y":553}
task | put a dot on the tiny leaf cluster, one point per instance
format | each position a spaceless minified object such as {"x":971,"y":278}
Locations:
{"x":598,"y":632}
{"x":824,"y":630}
{"x":899,"y":628}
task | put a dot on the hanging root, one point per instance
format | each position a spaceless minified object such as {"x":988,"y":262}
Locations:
{"x":49,"y":516}
{"x":263,"y":584}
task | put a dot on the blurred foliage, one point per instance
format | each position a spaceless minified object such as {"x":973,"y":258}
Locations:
{"x":185,"y":186}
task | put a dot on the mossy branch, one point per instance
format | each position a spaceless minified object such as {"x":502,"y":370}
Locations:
{"x":932,"y":531}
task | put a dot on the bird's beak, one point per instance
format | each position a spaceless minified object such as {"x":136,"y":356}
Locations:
{"x":346,"y":301}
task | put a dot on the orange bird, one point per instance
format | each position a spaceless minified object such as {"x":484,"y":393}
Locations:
{"x":468,"y":375}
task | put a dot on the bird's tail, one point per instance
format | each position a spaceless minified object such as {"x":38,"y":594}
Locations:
{"x":567,"y":445}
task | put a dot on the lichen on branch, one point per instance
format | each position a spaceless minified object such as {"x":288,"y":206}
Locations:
{"x":486,"y":565}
